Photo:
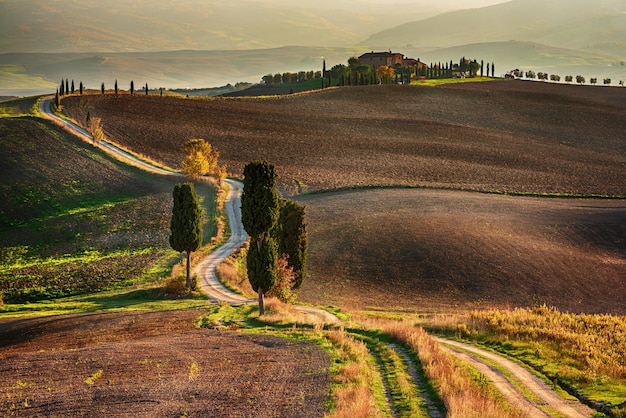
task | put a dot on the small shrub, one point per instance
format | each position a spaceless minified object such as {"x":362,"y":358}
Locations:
{"x":177,"y":285}
{"x":284,"y":282}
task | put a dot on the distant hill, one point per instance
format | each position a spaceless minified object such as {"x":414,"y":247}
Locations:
{"x":559,"y":36}
{"x":36,"y":73}
{"x":598,"y":26}
{"x":163,"y":25}
{"x":508,"y":55}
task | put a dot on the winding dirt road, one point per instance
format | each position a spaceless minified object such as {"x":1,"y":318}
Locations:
{"x":540,"y":392}
{"x":206,"y":269}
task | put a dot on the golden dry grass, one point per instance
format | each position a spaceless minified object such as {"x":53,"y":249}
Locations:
{"x":461,"y":394}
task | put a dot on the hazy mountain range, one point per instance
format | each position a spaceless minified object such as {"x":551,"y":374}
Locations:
{"x":202,"y":43}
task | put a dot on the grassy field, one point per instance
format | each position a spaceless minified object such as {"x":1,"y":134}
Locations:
{"x":75,"y":221}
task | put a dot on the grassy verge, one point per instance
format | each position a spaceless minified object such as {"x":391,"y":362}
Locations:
{"x":582,"y":353}
{"x":443,"y":81}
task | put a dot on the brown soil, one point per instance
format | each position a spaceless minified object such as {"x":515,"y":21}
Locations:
{"x":420,"y":249}
{"x":516,"y":135}
{"x":423,"y":249}
{"x":154,"y":364}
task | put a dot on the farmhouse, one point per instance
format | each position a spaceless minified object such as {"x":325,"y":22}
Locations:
{"x":389,"y":59}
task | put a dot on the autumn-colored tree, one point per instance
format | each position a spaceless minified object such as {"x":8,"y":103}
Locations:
{"x":94,"y":126}
{"x":201,"y":158}
{"x":384,"y":74}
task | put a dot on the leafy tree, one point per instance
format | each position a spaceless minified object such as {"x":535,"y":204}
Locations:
{"x":607,"y":81}
{"x":259,"y":214}
{"x":593,"y":80}
{"x":94,"y":126}
{"x":186,"y":223}
{"x":580,"y":79}
{"x":384,"y":74}
{"x":201,"y":158}
{"x":569,"y":78}
{"x":292,"y":240}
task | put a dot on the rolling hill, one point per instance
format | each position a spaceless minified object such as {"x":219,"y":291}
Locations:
{"x":598,"y":27}
{"x":429,"y":243}
{"x":37,"y":73}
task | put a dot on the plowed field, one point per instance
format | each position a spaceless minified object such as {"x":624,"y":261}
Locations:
{"x":149,"y":364}
{"x":513,"y":136}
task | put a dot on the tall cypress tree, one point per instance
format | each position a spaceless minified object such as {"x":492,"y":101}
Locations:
{"x":116,"y":87}
{"x":132,"y":87}
{"x":80,"y":87}
{"x":259,"y":215}
{"x":186,"y":223}
{"x":291,"y":238}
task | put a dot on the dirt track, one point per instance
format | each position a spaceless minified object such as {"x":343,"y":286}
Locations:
{"x":541,"y":392}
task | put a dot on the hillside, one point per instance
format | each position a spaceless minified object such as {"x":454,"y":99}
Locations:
{"x":416,"y":248}
{"x":73,"y":220}
{"x":598,"y":27}
{"x":433,"y":251}
{"x":509,"y":136}
{"x":508,"y":55}
{"x":38,"y":73}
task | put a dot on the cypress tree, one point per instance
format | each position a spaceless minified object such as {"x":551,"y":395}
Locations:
{"x":186,"y":223}
{"x":259,"y":215}
{"x":493,"y":69}
{"x":102,"y":87}
{"x":116,"y":87}
{"x":73,"y":87}
{"x":62,"y":89}
{"x":146,"y":89}
{"x":80,"y":87}
{"x":132,"y":87}
{"x":56,"y":98}
{"x":291,"y":238}
{"x":481,"y":67}
{"x":261,"y":266}
{"x":67,"y":86}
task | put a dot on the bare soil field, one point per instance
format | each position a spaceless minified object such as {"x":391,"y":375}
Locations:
{"x":417,"y":248}
{"x":434,"y":250}
{"x":154,"y":364}
{"x":504,"y":135}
